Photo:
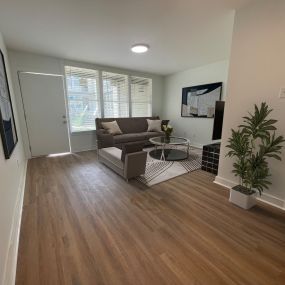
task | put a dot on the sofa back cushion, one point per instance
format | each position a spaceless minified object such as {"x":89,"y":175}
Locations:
{"x":127,"y":125}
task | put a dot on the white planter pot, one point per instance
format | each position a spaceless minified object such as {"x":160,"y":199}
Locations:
{"x":242,"y":200}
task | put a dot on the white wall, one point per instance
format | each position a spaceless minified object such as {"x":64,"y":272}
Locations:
{"x":257,"y":71}
{"x":198,"y":130}
{"x":21,"y":61}
{"x":12,"y":177}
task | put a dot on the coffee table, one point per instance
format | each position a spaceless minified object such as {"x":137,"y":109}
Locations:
{"x":164,"y":152}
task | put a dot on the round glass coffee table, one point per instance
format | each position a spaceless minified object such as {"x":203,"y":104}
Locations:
{"x":165,"y":149}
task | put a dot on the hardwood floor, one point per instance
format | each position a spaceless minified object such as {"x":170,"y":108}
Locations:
{"x":83,"y":224}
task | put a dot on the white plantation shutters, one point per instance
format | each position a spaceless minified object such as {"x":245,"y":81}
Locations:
{"x":141,"y":96}
{"x":115,"y":95}
{"x":83,"y":98}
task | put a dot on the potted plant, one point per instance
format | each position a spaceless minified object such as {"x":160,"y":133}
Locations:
{"x":252,"y":145}
{"x":167,"y":131}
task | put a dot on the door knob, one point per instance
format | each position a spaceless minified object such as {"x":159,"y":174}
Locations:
{"x":64,"y":122}
{"x":64,"y":117}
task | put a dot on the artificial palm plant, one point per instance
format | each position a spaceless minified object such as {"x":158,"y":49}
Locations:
{"x":252,"y":144}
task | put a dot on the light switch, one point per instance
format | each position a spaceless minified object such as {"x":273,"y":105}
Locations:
{"x":282,"y":93}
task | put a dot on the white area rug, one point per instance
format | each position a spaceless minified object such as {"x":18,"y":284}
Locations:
{"x":158,"y":171}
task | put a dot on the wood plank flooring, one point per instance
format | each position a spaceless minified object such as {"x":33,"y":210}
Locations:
{"x":82,"y":224}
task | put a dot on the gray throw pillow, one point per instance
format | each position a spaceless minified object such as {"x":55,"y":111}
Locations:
{"x":130,"y":148}
{"x":112,"y":128}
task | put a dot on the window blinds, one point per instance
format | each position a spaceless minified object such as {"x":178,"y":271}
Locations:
{"x":115,"y":95}
{"x":83,"y":98}
{"x":141,"y":96}
{"x":121,"y":96}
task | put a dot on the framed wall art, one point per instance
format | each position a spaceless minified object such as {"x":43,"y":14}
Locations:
{"x":199,"y":101}
{"x":7,"y":122}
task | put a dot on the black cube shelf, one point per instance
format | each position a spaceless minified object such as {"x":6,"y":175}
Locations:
{"x":210,"y":158}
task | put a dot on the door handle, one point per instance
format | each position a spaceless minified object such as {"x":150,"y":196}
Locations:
{"x":64,"y":122}
{"x":64,"y":117}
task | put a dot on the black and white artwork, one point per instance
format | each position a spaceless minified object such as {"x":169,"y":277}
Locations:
{"x":199,"y":101}
{"x":7,"y":122}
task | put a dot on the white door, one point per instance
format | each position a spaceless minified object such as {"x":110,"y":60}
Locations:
{"x":45,"y":111}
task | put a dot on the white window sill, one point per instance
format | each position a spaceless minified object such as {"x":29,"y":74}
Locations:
{"x":83,"y":133}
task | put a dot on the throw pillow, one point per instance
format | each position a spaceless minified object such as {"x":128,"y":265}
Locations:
{"x":154,"y":125}
{"x":112,"y":127}
{"x":130,"y":148}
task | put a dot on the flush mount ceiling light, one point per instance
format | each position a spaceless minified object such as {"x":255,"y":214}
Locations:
{"x":139,"y":48}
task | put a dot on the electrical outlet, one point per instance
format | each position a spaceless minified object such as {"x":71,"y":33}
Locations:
{"x":282,"y":93}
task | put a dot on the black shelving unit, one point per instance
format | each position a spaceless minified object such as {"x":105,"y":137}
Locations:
{"x":210,"y":158}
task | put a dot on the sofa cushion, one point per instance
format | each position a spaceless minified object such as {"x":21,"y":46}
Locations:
{"x":112,"y":154}
{"x":125,"y":138}
{"x":149,"y":135}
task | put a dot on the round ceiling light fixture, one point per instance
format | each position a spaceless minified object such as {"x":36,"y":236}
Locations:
{"x":140,"y":48}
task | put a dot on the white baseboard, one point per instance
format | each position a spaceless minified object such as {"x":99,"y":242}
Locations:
{"x":224,"y":182}
{"x":11,"y":260}
{"x":272,"y":200}
{"x":197,"y":145}
{"x":266,"y":198}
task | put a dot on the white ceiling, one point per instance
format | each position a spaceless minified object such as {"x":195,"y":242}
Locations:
{"x":181,"y":33}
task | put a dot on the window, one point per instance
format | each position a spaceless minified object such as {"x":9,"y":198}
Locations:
{"x":92,"y":94}
{"x":115,"y":95}
{"x":141,"y":96}
{"x":83,"y":98}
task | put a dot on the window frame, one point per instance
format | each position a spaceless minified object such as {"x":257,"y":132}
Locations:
{"x":127,"y":101}
{"x":101,"y":93}
{"x":130,"y":95}
{"x":72,"y":132}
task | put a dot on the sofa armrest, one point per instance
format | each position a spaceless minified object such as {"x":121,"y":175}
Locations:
{"x":135,"y":164}
{"x":104,"y":139}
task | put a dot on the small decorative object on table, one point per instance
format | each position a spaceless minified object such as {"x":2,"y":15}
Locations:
{"x":167,"y":131}
{"x":252,"y":144}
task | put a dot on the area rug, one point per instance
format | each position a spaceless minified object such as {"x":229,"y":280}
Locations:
{"x":158,"y":171}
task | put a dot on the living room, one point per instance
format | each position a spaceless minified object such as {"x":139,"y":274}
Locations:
{"x":82,"y":204}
